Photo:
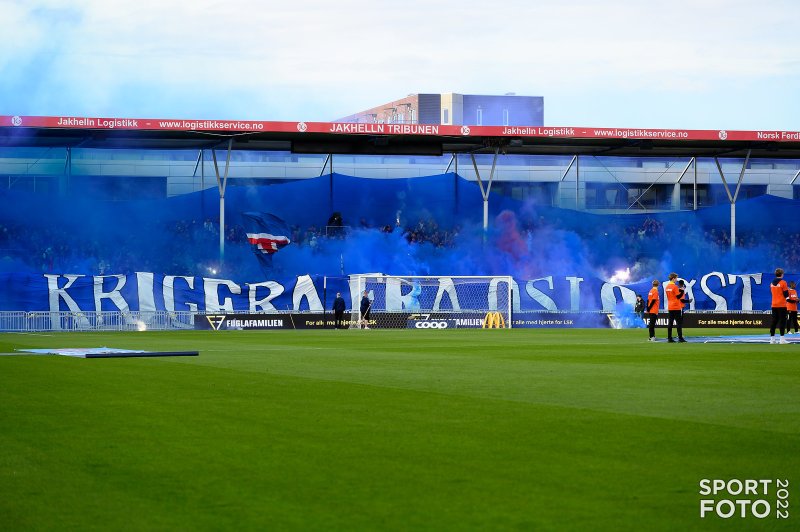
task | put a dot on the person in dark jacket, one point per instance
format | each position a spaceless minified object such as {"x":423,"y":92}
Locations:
{"x":685,"y":300}
{"x":791,"y":307}
{"x":639,"y":307}
{"x":366,"y":305}
{"x":338,"y":310}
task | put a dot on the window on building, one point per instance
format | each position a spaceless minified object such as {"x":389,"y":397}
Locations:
{"x":687,"y":196}
{"x":606,"y":196}
{"x":647,"y":196}
{"x":445,"y":116}
{"x":505,"y":117}
{"x":479,"y":117}
{"x":537,"y":193}
{"x":411,"y":116}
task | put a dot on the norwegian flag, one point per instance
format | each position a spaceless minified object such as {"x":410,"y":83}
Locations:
{"x":267,"y":233}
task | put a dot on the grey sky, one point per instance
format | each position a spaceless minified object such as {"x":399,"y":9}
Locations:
{"x":690,"y":64}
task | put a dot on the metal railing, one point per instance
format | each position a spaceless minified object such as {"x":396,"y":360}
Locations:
{"x":95,"y":321}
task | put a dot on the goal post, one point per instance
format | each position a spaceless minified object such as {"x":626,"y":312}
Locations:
{"x":433,"y":302}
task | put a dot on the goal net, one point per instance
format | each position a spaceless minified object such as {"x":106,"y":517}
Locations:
{"x":431,"y":302}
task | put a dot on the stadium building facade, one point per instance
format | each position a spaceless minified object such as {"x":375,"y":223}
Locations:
{"x":456,"y":109}
{"x":596,"y":180}
{"x":594,"y":183}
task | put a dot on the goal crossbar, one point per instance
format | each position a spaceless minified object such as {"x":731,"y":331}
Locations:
{"x":451,"y":301}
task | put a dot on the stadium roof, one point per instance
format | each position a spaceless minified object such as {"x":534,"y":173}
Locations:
{"x":392,"y":139}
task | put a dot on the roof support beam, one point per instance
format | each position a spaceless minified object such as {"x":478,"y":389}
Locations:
{"x":66,"y":179}
{"x":452,"y":158}
{"x":325,"y":164}
{"x":201,"y":163}
{"x":692,"y":160}
{"x":197,"y":163}
{"x":222,"y":183}
{"x":485,"y":191}
{"x":741,"y":176}
{"x":724,"y":181}
{"x":569,"y":166}
{"x":733,"y":197}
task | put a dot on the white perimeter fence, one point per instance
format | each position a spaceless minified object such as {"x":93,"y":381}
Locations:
{"x":95,"y":321}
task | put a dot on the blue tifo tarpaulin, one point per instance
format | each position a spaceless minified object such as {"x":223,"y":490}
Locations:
{"x":448,"y":198}
{"x":430,"y":225}
{"x":146,"y":291}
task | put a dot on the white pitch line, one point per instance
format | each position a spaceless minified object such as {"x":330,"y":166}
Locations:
{"x":279,"y":348}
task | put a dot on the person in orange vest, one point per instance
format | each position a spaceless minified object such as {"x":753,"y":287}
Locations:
{"x":674,"y":306}
{"x":791,"y":307}
{"x":780,"y":298}
{"x":653,"y":301}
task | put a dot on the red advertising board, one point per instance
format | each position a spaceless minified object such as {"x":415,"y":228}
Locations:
{"x":340,"y":128}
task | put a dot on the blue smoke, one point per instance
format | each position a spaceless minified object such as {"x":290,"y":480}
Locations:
{"x":424,"y":226}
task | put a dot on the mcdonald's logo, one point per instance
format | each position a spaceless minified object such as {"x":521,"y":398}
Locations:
{"x":494,"y":320}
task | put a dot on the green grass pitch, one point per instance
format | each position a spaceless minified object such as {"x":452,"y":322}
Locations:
{"x":392,"y":430}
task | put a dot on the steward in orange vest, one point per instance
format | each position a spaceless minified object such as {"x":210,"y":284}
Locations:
{"x":674,"y":307}
{"x":780,"y":298}
{"x":653,"y":301}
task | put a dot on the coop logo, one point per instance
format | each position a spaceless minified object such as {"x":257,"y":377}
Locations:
{"x":16,"y":121}
{"x":216,"y":321}
{"x":465,"y":130}
{"x":723,"y":135}
{"x":424,"y":321}
{"x":741,"y":499}
{"x":431,"y":325}
{"x":302,"y":127}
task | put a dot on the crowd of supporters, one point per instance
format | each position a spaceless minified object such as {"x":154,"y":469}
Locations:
{"x":191,"y":247}
{"x":176,"y":248}
{"x":185,"y":247}
{"x":782,"y":245}
{"x":429,"y":231}
{"x":422,"y":231}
